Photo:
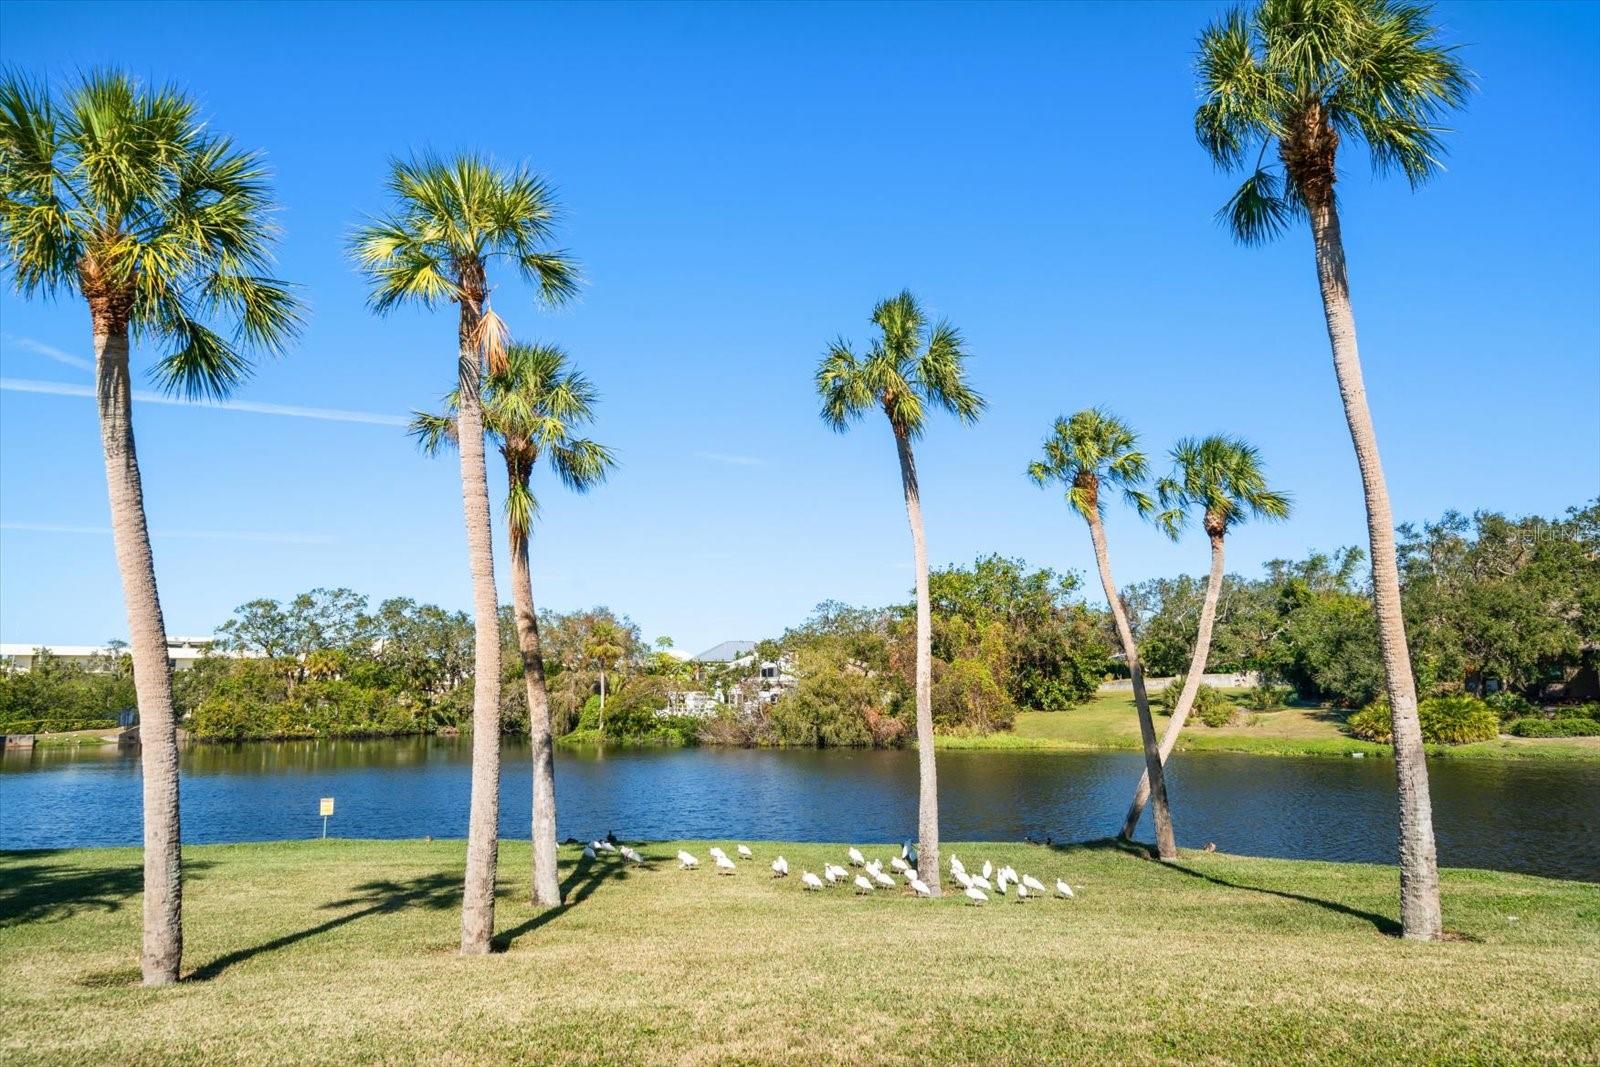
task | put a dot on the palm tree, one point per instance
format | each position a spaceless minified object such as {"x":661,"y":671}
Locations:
{"x":1091,"y":450}
{"x":449,"y":220}
{"x":1222,"y":476}
{"x":531,"y":407}
{"x":603,"y":647}
{"x":118,"y":194}
{"x":1302,"y":75}
{"x":910,"y":367}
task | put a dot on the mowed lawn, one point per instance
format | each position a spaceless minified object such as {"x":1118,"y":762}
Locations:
{"x":343,"y":952}
{"x":1109,"y":721}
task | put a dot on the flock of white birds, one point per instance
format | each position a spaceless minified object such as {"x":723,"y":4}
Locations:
{"x":872,"y":876}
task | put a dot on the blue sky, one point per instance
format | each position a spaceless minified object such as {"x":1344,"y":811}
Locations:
{"x":741,"y":183}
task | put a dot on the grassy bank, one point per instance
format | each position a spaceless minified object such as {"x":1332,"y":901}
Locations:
{"x":342,"y":951}
{"x":1109,"y":721}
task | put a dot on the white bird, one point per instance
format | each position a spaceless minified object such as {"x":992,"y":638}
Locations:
{"x":908,"y":852}
{"x":716,"y":851}
{"x":780,"y":868}
{"x":810,"y":881}
{"x":981,"y":882}
{"x":899,"y":864}
{"x":1022,"y":893}
{"x":602,"y":846}
{"x":920,"y":887}
{"x":963,"y":879}
{"x":833,"y":872}
{"x":1064,"y":889}
{"x":745,"y":853}
{"x":856,"y":858}
{"x":956,"y":864}
{"x":1000,"y":884}
{"x":975,"y":894}
{"x":862,"y":885}
{"x":725,"y":865}
{"x":1033,"y":883}
{"x":631,"y":855}
{"x":588,"y":852}
{"x":883,"y":879}
{"x":1010,"y":872}
{"x":988,"y":868}
{"x":686,"y":861}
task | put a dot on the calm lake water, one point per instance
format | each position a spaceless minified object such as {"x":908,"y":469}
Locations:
{"x":1541,"y":817}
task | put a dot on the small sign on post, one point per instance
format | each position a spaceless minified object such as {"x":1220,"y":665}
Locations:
{"x":327,"y":810}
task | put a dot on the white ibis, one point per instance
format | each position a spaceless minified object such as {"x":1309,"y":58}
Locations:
{"x":631,"y":855}
{"x":982,"y":883}
{"x":602,"y":845}
{"x":725,"y":865}
{"x":899,"y":864}
{"x":1033,"y":883}
{"x":988,"y":869}
{"x":833,"y":872}
{"x":976,"y":895}
{"x":745,"y":853}
{"x":856,"y":858}
{"x":588,"y":852}
{"x":716,"y":851}
{"x":1000,"y":883}
{"x":1010,"y":873}
{"x":687,"y":861}
{"x":862,"y":885}
{"x":883,"y":879}
{"x":919,"y":887}
{"x":780,"y":868}
{"x":810,"y":881}
{"x":1064,"y":889}
{"x":956,"y":864}
{"x":1022,"y":892}
{"x":963,"y":879}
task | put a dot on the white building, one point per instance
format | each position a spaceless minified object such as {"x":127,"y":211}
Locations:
{"x":182,"y":652}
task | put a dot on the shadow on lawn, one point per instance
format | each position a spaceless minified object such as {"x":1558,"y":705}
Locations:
{"x":586,"y":876}
{"x":36,"y":886}
{"x":1382,"y":923}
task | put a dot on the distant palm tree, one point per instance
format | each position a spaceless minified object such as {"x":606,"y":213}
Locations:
{"x":1300,"y":76}
{"x":118,"y":194}
{"x":910,"y":367}
{"x":1085,"y":453}
{"x":603,"y":647}
{"x":450,"y":219}
{"x":1223,"y":477}
{"x":532,"y":406}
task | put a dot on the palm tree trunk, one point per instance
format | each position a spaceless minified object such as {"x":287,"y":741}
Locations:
{"x":602,"y":702}
{"x":1420,"y":913}
{"x":1191,"y":685}
{"x":546,"y":885}
{"x":1166,"y":847}
{"x":483,"y":824}
{"x":162,"y":952}
{"x":927,"y":770}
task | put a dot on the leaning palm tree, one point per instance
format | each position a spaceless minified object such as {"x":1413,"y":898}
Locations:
{"x":1222,"y":477}
{"x":531,"y":407}
{"x":1091,"y":450}
{"x":118,"y":194}
{"x":603,"y":647}
{"x":1299,"y":76}
{"x":910,"y":367}
{"x":449,"y":221}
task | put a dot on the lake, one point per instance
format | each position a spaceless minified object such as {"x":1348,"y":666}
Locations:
{"x":1536,"y":816}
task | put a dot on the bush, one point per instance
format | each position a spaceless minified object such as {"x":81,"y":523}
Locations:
{"x":1266,"y":697}
{"x":967,"y":699}
{"x":1456,"y":720}
{"x":835,"y":709}
{"x":1211,"y":706}
{"x":1509,"y":705}
{"x":1562,"y":727}
{"x":1578,"y":711}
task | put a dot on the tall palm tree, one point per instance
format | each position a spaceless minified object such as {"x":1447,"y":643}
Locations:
{"x":1091,"y":450}
{"x":449,"y":220}
{"x":1222,"y":477}
{"x":1299,"y":76}
{"x":532,"y":408}
{"x":603,"y":647}
{"x":910,"y":367}
{"x":118,"y":194}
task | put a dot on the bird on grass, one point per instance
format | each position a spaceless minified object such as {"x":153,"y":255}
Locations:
{"x":1033,"y":883}
{"x":956,"y":864}
{"x":810,"y":881}
{"x":1000,"y":883}
{"x":716,"y":852}
{"x":908,"y":852}
{"x":602,"y":846}
{"x":687,"y":861}
{"x":856,"y":858}
{"x":833,"y":872}
{"x":862,"y":885}
{"x":780,"y":868}
{"x":883,"y":879}
{"x":1022,"y":892}
{"x":1064,"y":889}
{"x":745,"y":853}
{"x":976,"y":895}
{"x":982,"y":882}
{"x":920,"y":888}
{"x":588,"y":852}
{"x":963,"y":879}
{"x":631,"y":855}
{"x":988,"y":869}
{"x":725,"y":865}
{"x":899,"y":864}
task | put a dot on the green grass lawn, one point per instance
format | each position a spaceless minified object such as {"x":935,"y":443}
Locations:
{"x":1109,"y":721}
{"x":343,"y":952}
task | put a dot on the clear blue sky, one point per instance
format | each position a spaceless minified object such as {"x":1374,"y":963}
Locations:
{"x":741,"y":184}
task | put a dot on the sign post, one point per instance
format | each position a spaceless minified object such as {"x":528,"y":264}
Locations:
{"x":327,"y":810}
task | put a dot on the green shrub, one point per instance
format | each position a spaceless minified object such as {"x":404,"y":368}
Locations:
{"x":967,"y":699}
{"x":1265,"y":697}
{"x":1211,"y":706}
{"x":1509,"y":705}
{"x":1578,"y":711}
{"x":1454,"y":720}
{"x":1537,"y":727}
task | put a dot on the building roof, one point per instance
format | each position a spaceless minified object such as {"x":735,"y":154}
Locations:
{"x":726,"y":652}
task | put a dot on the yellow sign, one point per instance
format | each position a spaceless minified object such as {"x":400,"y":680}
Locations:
{"x":327,"y":806}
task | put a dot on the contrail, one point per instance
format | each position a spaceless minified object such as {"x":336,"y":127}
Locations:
{"x":178,"y":535}
{"x":29,"y":385}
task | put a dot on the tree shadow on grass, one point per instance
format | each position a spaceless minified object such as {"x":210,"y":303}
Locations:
{"x":37,"y":886}
{"x":1383,"y":923}
{"x":586,"y":876}
{"x":433,"y":891}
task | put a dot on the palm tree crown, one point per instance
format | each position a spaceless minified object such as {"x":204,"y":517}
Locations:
{"x":909,"y":367}
{"x":1224,"y":477}
{"x":1091,"y":449}
{"x":118,"y":193}
{"x":1303,"y":74}
{"x":533,"y":407}
{"x":449,"y":219}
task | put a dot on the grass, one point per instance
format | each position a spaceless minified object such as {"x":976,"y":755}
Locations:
{"x":343,"y":952}
{"x":1108,"y":721}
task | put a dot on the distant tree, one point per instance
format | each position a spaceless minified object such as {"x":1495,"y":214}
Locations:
{"x":122,"y":196}
{"x":603,"y":647}
{"x":909,"y":368}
